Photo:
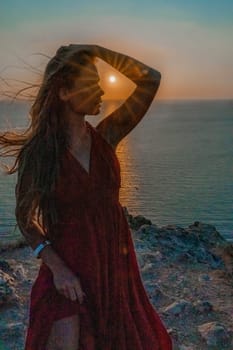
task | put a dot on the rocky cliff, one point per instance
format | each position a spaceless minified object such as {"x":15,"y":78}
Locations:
{"x":187,"y":272}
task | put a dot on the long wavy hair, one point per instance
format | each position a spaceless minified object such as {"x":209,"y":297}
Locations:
{"x":39,"y":148}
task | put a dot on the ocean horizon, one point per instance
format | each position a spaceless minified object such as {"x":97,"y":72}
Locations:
{"x":176,"y":164}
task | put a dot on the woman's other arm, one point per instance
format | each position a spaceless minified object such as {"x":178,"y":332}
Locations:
{"x":65,"y":281}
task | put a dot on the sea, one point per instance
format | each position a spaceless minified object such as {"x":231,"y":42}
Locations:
{"x":176,"y":164}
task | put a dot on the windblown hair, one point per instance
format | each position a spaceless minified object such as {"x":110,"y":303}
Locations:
{"x":39,"y":148}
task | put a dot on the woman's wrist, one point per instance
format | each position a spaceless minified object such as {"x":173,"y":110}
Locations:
{"x":40,"y":247}
{"x":51,"y":259}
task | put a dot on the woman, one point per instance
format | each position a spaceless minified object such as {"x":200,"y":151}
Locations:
{"x":88,"y":294}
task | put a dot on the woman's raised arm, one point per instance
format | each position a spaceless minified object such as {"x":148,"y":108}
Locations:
{"x":120,"y":122}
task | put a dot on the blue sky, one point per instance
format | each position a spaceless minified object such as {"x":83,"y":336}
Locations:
{"x":190,"y":42}
{"x":213,"y":12}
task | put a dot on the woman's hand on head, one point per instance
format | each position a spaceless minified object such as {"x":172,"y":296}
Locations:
{"x":76,"y":48}
{"x":82,"y":47}
{"x":68,"y":284}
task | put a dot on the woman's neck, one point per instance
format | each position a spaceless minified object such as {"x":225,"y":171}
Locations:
{"x":76,"y":127}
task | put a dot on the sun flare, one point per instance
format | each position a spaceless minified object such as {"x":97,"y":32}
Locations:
{"x":112,"y":79}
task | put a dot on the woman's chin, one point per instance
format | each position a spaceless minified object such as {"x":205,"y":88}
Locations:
{"x":96,"y":110}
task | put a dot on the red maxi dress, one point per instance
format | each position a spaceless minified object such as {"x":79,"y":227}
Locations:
{"x":95,"y":242}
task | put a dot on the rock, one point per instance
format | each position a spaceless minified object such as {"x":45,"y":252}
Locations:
{"x":5,"y":266}
{"x":173,"y":332}
{"x":152,"y":257}
{"x":179,"y":308}
{"x":7,"y":292}
{"x":207,"y":233}
{"x":155,"y":293}
{"x":3,"y":345}
{"x":148,"y":271}
{"x":184,"y":257}
{"x":159,"y":299}
{"x":203,"y":306}
{"x":137,"y":221}
{"x":12,"y":330}
{"x":141,"y":246}
{"x":147,"y":233}
{"x":151,"y":287}
{"x":217,"y":262}
{"x":182,"y":245}
{"x":19,"y":272}
{"x":204,"y":278}
{"x":204,"y":256}
{"x":215,"y":334}
{"x":158,"y":256}
{"x":227,"y":256}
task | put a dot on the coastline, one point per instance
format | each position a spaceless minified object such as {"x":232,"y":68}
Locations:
{"x":187,"y":273}
{"x":176,"y":165}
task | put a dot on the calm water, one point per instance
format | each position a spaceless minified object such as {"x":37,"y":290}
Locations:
{"x":176,"y":165}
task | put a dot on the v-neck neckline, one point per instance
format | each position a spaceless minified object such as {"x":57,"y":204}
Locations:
{"x":90,"y":155}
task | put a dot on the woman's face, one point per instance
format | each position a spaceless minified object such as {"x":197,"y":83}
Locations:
{"x":85,"y":95}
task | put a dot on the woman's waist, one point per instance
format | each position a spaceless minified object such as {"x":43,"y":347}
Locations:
{"x":81,"y":207}
{"x":87,"y":198}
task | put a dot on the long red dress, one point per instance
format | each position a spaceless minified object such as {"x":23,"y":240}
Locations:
{"x":95,"y":242}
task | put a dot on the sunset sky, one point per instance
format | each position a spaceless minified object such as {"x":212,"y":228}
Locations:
{"x":189,"y":42}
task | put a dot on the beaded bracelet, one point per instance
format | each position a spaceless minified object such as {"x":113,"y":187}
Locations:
{"x":40,"y":247}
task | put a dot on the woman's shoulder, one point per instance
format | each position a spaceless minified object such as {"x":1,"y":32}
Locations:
{"x":105,"y":134}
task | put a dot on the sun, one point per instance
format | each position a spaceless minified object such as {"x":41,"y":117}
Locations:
{"x":112,"y":79}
